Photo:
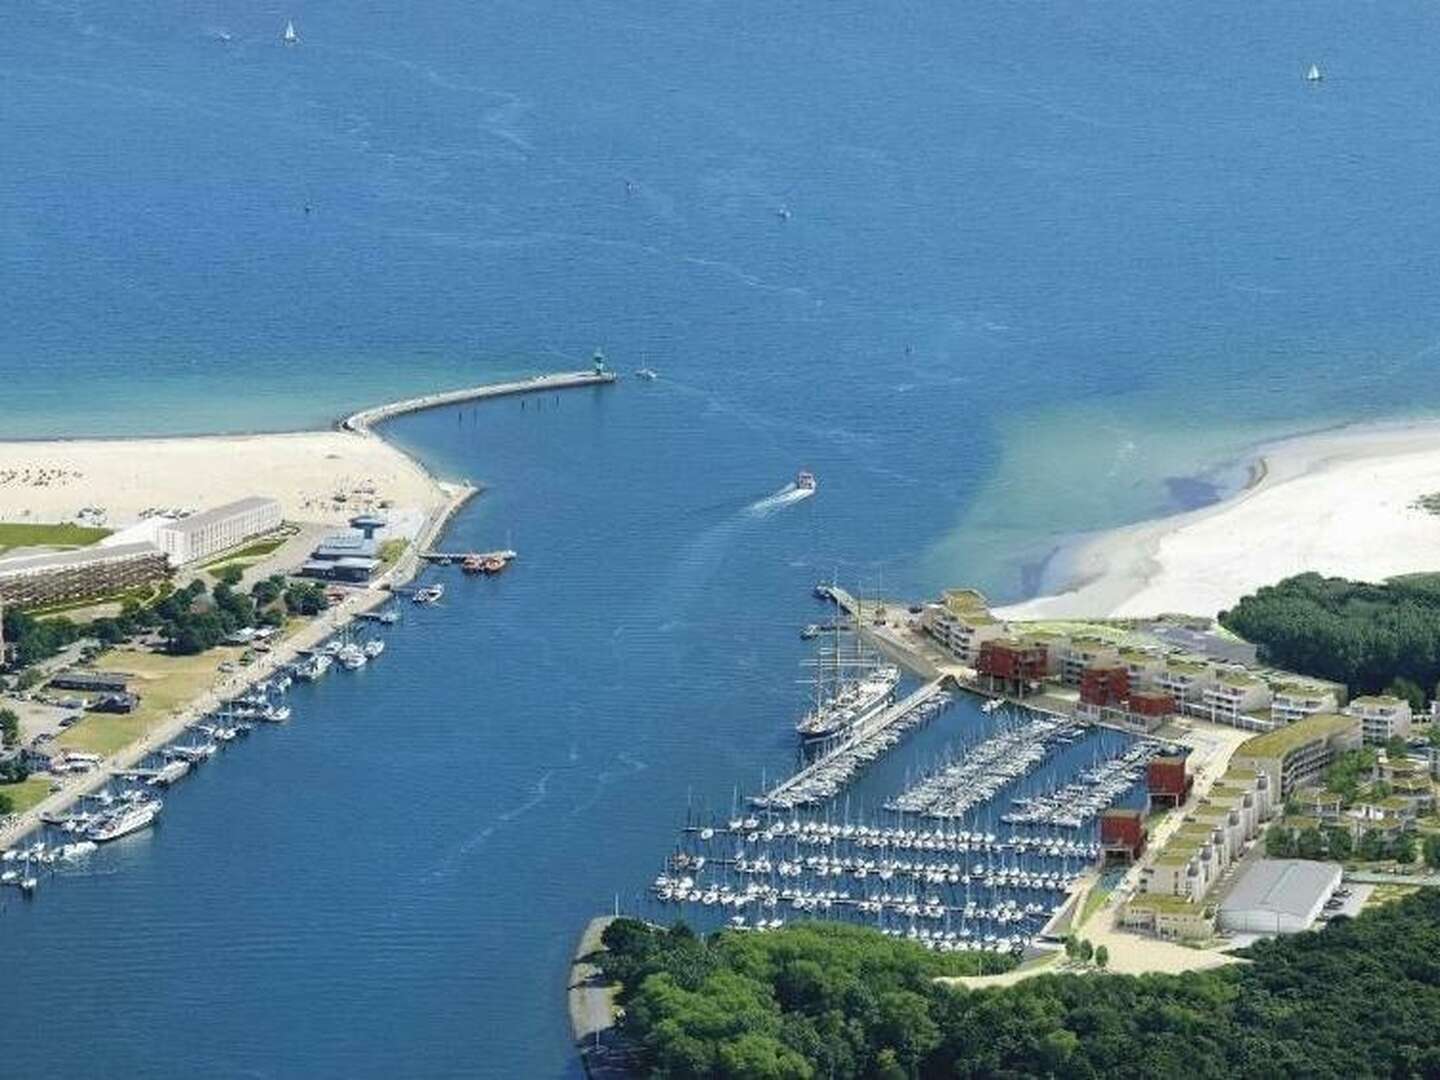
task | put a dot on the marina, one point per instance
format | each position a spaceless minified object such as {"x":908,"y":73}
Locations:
{"x":127,"y":802}
{"x":981,"y":820}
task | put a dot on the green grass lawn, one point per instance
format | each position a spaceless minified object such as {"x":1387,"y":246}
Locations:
{"x":164,"y":683}
{"x":16,"y":534}
{"x":390,"y":552}
{"x":26,"y":793}
{"x":258,"y":550}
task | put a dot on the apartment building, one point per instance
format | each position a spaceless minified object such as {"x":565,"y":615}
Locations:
{"x":1296,"y":755}
{"x":1381,"y":717}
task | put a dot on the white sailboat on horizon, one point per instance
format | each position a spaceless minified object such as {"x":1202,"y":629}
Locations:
{"x":1314,"y":74}
{"x":289,"y":36}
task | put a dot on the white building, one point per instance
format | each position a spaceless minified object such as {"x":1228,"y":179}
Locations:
{"x":1232,"y":699}
{"x":212,"y":531}
{"x":1381,"y":717}
{"x":1295,"y":702}
{"x":1279,"y":896}
{"x":961,"y":622}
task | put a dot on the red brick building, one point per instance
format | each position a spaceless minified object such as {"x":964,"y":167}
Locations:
{"x":1011,"y":665}
{"x":1168,"y":780}
{"x":1153,"y":703}
{"x":1122,"y":835}
{"x":1105,"y":685}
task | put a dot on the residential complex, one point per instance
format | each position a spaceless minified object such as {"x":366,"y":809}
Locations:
{"x":187,"y":540}
{"x":1298,"y":754}
{"x":1134,"y":687}
{"x":1381,"y":717}
{"x":65,"y":576}
{"x":1173,"y":898}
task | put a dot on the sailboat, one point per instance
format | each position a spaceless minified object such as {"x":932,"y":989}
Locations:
{"x":1314,"y":74}
{"x":290,"y":37}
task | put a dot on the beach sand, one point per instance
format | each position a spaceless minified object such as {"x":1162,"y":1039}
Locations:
{"x":52,"y":481}
{"x":1339,"y":503}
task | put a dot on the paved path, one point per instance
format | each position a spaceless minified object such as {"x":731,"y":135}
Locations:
{"x":592,"y":1010}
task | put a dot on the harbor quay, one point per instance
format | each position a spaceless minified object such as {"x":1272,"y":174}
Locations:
{"x":155,"y":758}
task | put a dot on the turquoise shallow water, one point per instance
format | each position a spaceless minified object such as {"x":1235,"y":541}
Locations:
{"x":1038,"y":262}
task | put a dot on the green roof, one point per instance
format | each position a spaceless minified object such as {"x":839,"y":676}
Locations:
{"x":1173,"y":858}
{"x":1276,"y":744}
{"x":1235,"y":678}
{"x":1301,"y":690}
{"x":1378,"y":699}
{"x":1186,"y":667}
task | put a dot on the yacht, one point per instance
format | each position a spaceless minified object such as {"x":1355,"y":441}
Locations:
{"x":373,"y":648}
{"x":289,"y":36}
{"x":646,"y":373}
{"x":129,"y":818}
{"x":1314,"y":74}
{"x":352,"y":657}
{"x":805,"y":480}
{"x":429,"y":595}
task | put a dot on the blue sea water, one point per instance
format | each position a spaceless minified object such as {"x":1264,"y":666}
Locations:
{"x":1045,"y":269}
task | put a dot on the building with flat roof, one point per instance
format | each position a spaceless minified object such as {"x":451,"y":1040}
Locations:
{"x":1295,"y":701}
{"x":1382,"y":717}
{"x":1298,"y":753}
{"x":961,"y":622}
{"x":353,"y":544}
{"x":90,"y":573}
{"x":1279,"y":896}
{"x":355,"y":570}
{"x":187,"y":540}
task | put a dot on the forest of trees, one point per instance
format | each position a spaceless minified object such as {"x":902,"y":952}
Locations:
{"x":188,"y":620}
{"x":1358,"y":999}
{"x":1369,"y":637}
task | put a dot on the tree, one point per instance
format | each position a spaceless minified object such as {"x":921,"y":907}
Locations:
{"x":1396,"y":747}
{"x":1280,"y":841}
{"x":230,"y":575}
{"x":1408,"y":690}
{"x":9,"y":728}
{"x":1431,"y":851}
{"x":1070,"y":947}
{"x":1087,"y":951}
{"x":30,"y":678}
{"x":6,"y":804}
{"x":1310,"y":844}
{"x":1102,"y":957}
{"x":1373,"y":845}
{"x":1339,"y":844}
{"x":1404,"y":850}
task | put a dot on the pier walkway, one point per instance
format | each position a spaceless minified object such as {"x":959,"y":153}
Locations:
{"x":793,"y":792}
{"x":363,"y":420}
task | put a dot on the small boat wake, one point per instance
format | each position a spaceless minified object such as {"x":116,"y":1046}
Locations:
{"x":788,"y":495}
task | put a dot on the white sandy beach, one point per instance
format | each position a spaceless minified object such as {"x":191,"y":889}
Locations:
{"x":52,"y":481}
{"x":1340,"y":503}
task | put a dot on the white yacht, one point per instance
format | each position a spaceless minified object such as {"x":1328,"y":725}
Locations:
{"x":373,"y":648}
{"x":129,"y":818}
{"x":352,"y":657}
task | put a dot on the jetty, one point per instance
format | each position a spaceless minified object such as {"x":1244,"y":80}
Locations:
{"x":362,"y":421}
{"x":867,"y":740}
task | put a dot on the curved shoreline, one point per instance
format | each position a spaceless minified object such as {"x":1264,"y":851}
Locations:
{"x":447,"y":499}
{"x":1337,"y":502}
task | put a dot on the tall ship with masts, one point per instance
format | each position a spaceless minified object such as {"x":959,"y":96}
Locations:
{"x":850,"y":686}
